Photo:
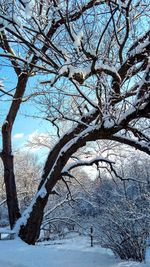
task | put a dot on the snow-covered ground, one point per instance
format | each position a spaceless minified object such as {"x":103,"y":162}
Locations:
{"x":74,"y":251}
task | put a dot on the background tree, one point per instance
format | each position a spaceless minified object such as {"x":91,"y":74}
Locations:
{"x":124,"y":209}
{"x":27,"y":172}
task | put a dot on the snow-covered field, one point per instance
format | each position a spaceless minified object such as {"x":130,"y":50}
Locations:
{"x":74,"y":251}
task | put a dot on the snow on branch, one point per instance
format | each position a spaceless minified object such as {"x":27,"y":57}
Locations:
{"x":140,"y":108}
{"x":139,"y":134}
{"x":80,"y":163}
{"x":138,"y":42}
{"x":145,"y":147}
{"x":83,"y":73}
{"x":108,"y":69}
{"x":138,"y":53}
{"x":134,"y":56}
{"x":60,"y":204}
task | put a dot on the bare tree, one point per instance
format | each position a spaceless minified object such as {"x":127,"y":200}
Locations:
{"x":95,"y":55}
{"x":124,"y":209}
{"x":27,"y":173}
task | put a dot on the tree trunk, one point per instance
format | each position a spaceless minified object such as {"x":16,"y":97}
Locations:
{"x":11,"y":194}
{"x":30,"y":232}
{"x":9,"y":177}
{"x":6,"y":154}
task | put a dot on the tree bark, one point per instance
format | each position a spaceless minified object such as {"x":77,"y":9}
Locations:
{"x":6,"y":154}
{"x":11,"y":194}
{"x":9,"y":177}
{"x":31,"y":231}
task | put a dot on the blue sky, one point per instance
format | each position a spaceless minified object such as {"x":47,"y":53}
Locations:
{"x":24,"y":127}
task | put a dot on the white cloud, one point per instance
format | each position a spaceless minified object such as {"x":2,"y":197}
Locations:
{"x":38,"y":141}
{"x":18,"y":136}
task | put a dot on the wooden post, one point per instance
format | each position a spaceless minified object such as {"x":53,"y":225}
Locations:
{"x":12,"y":236}
{"x":91,"y":235}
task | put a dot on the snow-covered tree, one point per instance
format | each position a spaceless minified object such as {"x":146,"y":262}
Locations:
{"x":94,"y":55}
{"x":124,"y":209}
{"x":27,"y":173}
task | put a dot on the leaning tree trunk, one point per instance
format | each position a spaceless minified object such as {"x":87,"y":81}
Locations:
{"x":57,"y":159}
{"x":30,"y":230}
